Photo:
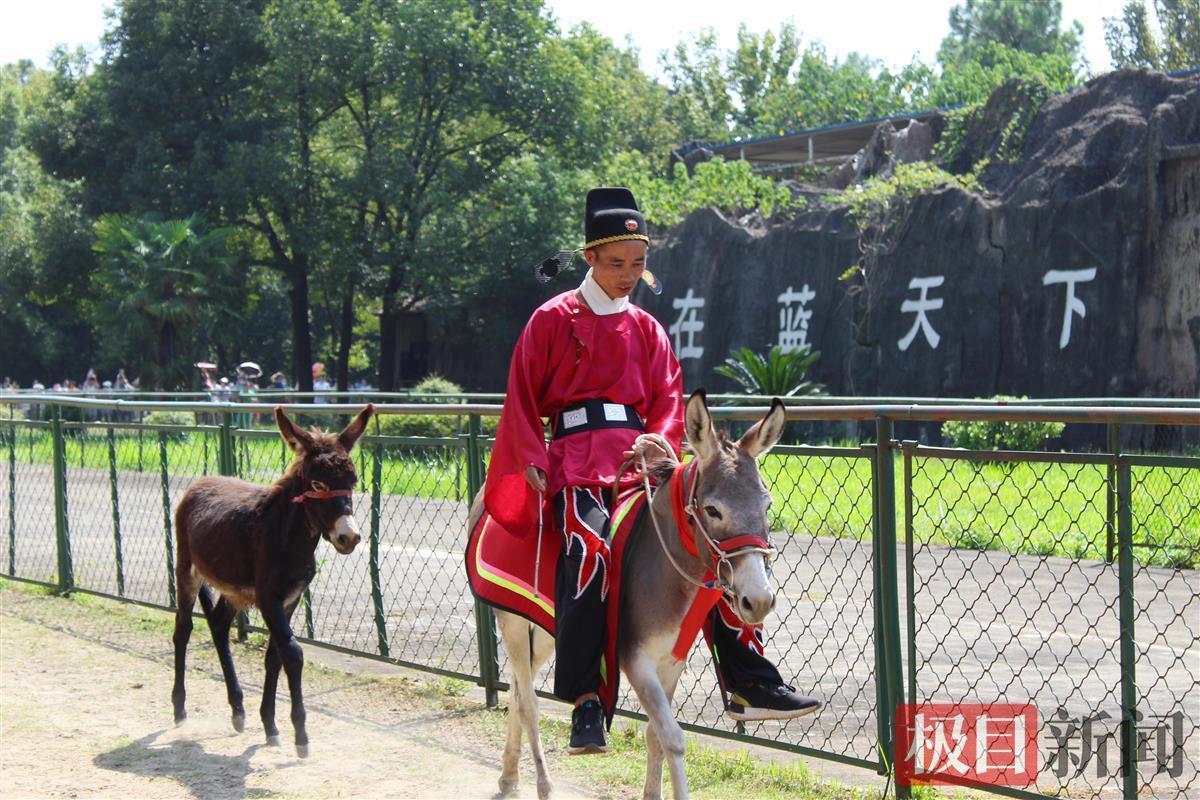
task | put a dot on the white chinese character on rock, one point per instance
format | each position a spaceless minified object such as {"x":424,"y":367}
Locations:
{"x":921,"y":305}
{"x":1074,"y":305}
{"x":688,"y":324}
{"x":794,"y":317}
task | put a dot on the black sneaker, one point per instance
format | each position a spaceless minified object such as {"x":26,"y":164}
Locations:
{"x":760,"y":700}
{"x":587,"y":729}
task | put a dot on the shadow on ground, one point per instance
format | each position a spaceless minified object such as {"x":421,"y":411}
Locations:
{"x":208,"y":776}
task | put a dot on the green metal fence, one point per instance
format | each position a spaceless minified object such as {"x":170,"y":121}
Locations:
{"x":907,"y":572}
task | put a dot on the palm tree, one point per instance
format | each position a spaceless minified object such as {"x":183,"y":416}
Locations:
{"x":169,"y":275}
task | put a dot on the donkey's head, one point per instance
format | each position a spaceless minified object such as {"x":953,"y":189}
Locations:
{"x":732,"y":500}
{"x":327,"y":476}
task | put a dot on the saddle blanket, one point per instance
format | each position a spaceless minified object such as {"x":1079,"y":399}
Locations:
{"x":516,"y":573}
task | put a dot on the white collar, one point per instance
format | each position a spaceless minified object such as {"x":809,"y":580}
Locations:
{"x":600,"y":302}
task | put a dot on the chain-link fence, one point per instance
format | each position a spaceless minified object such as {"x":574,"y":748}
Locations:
{"x":906,"y":572}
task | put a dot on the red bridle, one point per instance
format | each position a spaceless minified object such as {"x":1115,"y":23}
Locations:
{"x":313,"y":494}
{"x":685,"y":505}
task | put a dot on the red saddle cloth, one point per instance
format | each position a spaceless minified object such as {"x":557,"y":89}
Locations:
{"x":516,"y":573}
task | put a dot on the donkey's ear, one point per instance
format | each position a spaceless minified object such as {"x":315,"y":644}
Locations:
{"x":764,"y":434}
{"x":698,"y":422}
{"x":349,"y":436}
{"x":300,"y":441}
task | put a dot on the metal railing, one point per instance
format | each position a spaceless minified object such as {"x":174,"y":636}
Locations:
{"x":906,"y":571}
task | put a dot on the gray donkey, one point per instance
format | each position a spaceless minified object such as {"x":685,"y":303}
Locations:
{"x":657,"y":589}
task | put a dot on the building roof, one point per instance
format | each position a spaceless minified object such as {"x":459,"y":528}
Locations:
{"x":826,"y":143}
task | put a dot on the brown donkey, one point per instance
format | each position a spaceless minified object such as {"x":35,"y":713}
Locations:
{"x":254,"y":545}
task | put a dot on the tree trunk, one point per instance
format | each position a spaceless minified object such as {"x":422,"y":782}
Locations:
{"x":301,"y":340}
{"x":387,"y":346}
{"x":344,"y":340}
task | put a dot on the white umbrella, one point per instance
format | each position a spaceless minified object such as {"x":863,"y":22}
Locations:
{"x":250,"y":368}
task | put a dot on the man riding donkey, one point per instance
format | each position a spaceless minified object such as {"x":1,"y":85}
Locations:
{"x":603,"y":371}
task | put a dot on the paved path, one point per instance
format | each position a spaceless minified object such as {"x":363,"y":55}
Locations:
{"x":989,"y":626}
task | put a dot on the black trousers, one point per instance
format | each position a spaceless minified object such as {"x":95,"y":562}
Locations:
{"x":581,"y":594}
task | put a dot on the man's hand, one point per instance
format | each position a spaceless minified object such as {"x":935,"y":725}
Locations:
{"x":648,"y":448}
{"x":536,"y":479}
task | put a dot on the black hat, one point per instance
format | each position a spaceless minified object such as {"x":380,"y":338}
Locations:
{"x":613,"y":216}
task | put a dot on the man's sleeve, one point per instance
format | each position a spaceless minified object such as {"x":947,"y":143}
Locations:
{"x":520,"y":438}
{"x":666,"y":389}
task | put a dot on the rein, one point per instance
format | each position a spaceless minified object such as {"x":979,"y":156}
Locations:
{"x":313,"y":494}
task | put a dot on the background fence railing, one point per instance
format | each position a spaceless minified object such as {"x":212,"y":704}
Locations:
{"x":907,"y":572}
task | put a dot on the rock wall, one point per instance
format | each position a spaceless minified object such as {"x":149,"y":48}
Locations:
{"x":1076,"y":273}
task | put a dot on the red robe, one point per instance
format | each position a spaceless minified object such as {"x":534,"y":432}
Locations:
{"x":565,"y":355}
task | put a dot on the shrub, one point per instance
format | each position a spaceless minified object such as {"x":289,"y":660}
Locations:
{"x":778,"y":374}
{"x":426,"y":424}
{"x":989,"y":435}
{"x":170,"y":418}
{"x":181,"y":418}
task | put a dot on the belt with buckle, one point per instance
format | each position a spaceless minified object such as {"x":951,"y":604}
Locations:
{"x":594,"y":415}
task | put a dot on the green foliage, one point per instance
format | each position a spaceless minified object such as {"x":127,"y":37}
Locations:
{"x":988,"y":435}
{"x":426,"y":424}
{"x":1029,"y":27}
{"x":997,"y":126}
{"x":778,"y":374}
{"x":731,"y":186}
{"x":880,"y":197}
{"x":1133,"y":42}
{"x":435,"y":384}
{"x":181,"y":418}
{"x":158,"y":282}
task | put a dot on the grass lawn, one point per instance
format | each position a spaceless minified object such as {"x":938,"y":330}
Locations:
{"x":1031,"y":508}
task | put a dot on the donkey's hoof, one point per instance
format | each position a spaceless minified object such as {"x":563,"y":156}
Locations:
{"x":507,"y":786}
{"x":180,"y":717}
{"x":544,"y":790}
{"x":239,"y":722}
{"x":302,"y":751}
{"x":272,"y":740}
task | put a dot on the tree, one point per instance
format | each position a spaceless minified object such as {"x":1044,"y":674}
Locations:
{"x":699,"y":98}
{"x":466,"y":88}
{"x":160,"y":278}
{"x":1029,"y":27}
{"x":45,"y":246}
{"x":1132,"y":41}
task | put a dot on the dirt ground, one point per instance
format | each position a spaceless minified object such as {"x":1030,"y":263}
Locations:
{"x":112,"y":735}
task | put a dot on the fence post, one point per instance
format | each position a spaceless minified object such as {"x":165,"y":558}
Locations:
{"x":910,"y":570}
{"x":1113,"y":437}
{"x":116,"y":511}
{"x":485,"y":620}
{"x":376,"y":588}
{"x":166,"y":502}
{"x":1129,"y":776}
{"x":887,"y":601}
{"x":66,"y":570}
{"x":12,"y":500}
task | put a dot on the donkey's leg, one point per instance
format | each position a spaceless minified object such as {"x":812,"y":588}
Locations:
{"x":528,"y":648}
{"x":185,"y":584}
{"x":542,"y":648}
{"x":643,"y":677}
{"x":272,"y":663}
{"x":279,"y":623}
{"x":516,"y":642}
{"x":669,"y":671}
{"x":220,"y":617}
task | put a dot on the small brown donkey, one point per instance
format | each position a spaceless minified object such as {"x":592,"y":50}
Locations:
{"x":254,"y":545}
